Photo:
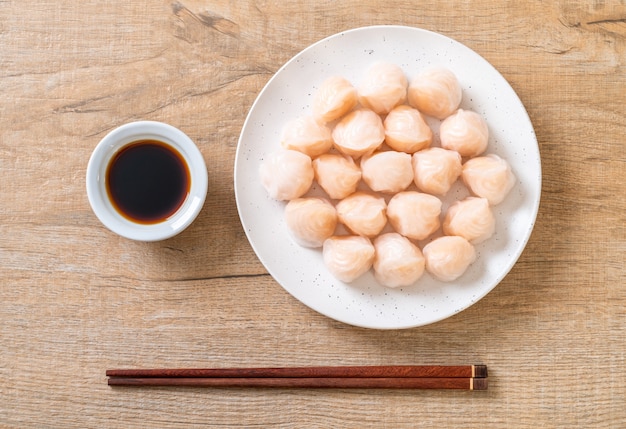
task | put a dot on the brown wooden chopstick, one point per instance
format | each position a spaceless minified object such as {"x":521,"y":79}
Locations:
{"x":468,"y":377}
{"x":388,"y":371}
{"x":463,"y":383}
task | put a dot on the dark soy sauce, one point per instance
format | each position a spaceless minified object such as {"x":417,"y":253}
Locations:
{"x":147,"y":181}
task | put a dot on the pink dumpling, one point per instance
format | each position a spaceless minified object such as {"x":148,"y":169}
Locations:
{"x":383,"y":87}
{"x":406,"y":130}
{"x":448,"y":257}
{"x":359,"y":132}
{"x":436,"y":170}
{"x":435,"y":92}
{"x":471,"y":219}
{"x":489,"y":177}
{"x":398,"y":262}
{"x":310,"y":220}
{"x":306,"y":135}
{"x":387,"y":171}
{"x":286,"y":174}
{"x":465,"y":132}
{"x":414,"y":214}
{"x":348,"y":257}
{"x":337,"y":174}
{"x":335,"y":97}
{"x":363,"y":213}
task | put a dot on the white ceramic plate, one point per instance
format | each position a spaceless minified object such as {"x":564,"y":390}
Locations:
{"x":301,"y":271}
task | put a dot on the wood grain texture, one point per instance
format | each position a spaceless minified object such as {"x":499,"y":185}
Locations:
{"x":76,"y":299}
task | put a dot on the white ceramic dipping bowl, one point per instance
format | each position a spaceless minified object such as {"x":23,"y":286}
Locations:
{"x":119,"y":138}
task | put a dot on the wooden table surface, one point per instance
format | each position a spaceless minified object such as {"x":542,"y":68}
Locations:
{"x":75,"y":299}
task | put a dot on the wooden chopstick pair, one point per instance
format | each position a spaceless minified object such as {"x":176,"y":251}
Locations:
{"x":465,"y":377}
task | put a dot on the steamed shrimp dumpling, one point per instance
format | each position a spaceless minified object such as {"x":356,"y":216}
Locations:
{"x":435,"y":92}
{"x":465,"y":132}
{"x":286,"y":174}
{"x":398,"y":262}
{"x":436,"y":169}
{"x":448,"y":257}
{"x":335,"y":97}
{"x":383,"y":87}
{"x":310,"y":220}
{"x":358,"y":133}
{"x":471,"y":219}
{"x":348,"y":257}
{"x":363,"y":213}
{"x":489,"y":177}
{"x":413,"y":214}
{"x":306,"y":135}
{"x":338,"y":175}
{"x":406,"y":130}
{"x":388,"y":171}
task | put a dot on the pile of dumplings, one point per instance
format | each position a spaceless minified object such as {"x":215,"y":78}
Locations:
{"x":371,"y":151}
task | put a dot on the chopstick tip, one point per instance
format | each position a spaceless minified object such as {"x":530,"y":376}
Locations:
{"x":480,"y":371}
{"x":479,"y":384}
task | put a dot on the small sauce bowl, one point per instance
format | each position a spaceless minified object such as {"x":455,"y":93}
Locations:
{"x":100,"y":196}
